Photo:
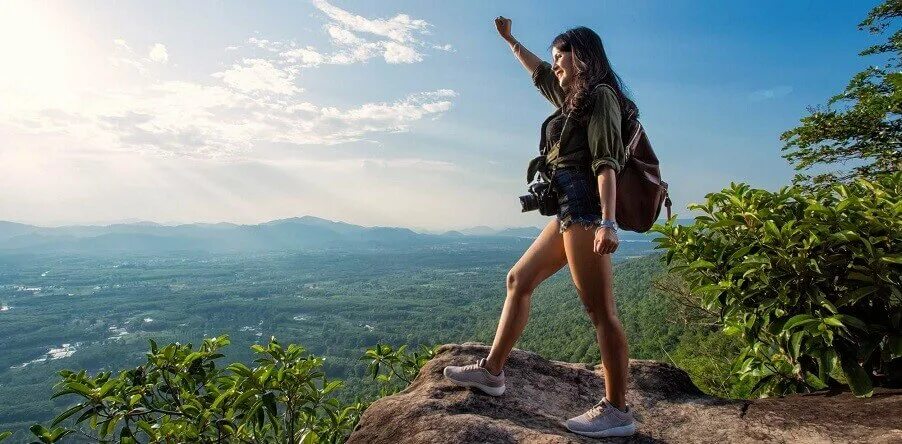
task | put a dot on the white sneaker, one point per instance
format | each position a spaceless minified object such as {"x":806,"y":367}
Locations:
{"x":476,"y":375}
{"x":603,"y":420}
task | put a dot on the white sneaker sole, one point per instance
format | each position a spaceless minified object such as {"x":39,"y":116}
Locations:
{"x":494,"y":391}
{"x":626,"y":430}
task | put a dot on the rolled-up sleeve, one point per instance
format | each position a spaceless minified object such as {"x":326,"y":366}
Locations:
{"x":605,"y":142}
{"x":548,"y":85}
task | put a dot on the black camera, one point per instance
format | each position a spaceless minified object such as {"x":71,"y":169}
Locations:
{"x":542,"y":196}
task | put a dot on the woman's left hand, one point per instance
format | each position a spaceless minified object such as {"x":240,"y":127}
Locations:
{"x":606,"y":241}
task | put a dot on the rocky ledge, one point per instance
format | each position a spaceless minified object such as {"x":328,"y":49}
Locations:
{"x":668,"y":407}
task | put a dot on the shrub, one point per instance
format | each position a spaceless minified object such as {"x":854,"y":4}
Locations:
{"x":180,"y":395}
{"x":810,"y":279}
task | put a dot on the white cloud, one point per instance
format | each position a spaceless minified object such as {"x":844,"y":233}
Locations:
{"x":124,"y":55}
{"x":396,"y":39}
{"x":259,"y":75}
{"x":400,"y":28}
{"x":158,"y":53}
{"x":770,"y":93}
{"x":397,"y":53}
{"x":342,"y":36}
{"x":305,"y":57}
{"x":252,"y":102}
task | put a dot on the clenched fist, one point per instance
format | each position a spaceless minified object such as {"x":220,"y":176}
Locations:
{"x":504,"y":27}
{"x":606,"y":241}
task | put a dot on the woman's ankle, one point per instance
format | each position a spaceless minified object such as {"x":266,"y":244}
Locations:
{"x":494,"y":369}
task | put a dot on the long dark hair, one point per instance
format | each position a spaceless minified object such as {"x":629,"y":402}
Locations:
{"x":592,"y":67}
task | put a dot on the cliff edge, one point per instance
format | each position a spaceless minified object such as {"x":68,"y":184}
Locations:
{"x":668,"y":407}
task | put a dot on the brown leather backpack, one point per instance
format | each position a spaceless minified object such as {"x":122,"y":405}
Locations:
{"x":640,"y":190}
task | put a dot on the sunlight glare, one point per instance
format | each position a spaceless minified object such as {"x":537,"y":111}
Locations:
{"x":38,"y":54}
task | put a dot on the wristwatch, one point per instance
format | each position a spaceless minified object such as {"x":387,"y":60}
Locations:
{"x":607,"y":223}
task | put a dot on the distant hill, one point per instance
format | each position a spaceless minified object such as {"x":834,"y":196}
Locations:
{"x":307,"y":232}
{"x":481,"y":230}
{"x":519,"y":232}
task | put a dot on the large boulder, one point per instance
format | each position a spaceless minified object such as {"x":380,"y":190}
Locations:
{"x":541,"y":394}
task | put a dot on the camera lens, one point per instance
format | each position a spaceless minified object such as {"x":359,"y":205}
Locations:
{"x":529,"y":203}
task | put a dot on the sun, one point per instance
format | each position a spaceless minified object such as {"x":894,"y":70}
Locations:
{"x":37,"y":47}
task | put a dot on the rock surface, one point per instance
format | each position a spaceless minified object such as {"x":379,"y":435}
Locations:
{"x":541,"y":394}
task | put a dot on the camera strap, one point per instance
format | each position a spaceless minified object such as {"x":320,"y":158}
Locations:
{"x":536,"y":165}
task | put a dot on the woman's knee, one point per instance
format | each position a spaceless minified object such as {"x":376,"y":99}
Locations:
{"x":519,"y":284}
{"x":602,"y":319}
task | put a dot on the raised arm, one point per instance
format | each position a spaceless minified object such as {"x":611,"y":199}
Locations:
{"x":540,"y":70}
{"x":529,"y":60}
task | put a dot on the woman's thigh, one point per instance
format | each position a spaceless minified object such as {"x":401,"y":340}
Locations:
{"x":591,"y":272}
{"x":542,"y":259}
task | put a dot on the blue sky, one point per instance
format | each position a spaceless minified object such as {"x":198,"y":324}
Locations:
{"x":402,"y":113}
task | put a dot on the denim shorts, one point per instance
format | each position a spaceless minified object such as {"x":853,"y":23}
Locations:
{"x":577,"y":190}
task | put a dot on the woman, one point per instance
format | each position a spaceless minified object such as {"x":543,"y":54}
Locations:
{"x":584,"y":152}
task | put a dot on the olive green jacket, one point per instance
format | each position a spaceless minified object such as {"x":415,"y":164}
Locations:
{"x":602,"y":132}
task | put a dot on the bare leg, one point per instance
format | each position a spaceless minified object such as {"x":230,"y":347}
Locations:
{"x":593,"y":277}
{"x":543,"y":258}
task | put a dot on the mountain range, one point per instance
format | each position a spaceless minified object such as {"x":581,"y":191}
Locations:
{"x":307,"y":232}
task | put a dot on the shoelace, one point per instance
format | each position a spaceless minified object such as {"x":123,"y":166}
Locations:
{"x":596,"y":410}
{"x":472,"y":367}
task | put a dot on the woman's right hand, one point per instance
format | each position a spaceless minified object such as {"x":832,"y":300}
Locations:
{"x":504,"y":27}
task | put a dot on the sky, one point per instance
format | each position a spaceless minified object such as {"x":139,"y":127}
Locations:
{"x":390,"y":113}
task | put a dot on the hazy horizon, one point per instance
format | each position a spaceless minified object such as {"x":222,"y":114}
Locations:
{"x":176,"y":223}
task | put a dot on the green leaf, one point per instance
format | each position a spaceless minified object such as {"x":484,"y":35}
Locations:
{"x":219,"y":399}
{"x":39,"y":431}
{"x":852,"y":322}
{"x":309,"y":437}
{"x":799,"y":320}
{"x":851,"y":297}
{"x":762,"y":382}
{"x":700,"y":264}
{"x":858,"y":379}
{"x":331,"y":386}
{"x":815,"y":382}
{"x":81,"y":389}
{"x":107,"y":387}
{"x":771,"y":229}
{"x":796,"y":343}
{"x":58,"y":433}
{"x":147,"y":428}
{"x":69,"y":412}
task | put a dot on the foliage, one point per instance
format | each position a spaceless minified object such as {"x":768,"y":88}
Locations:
{"x":869,"y":130}
{"x":180,"y":395}
{"x":396,"y":369}
{"x":810,"y":279}
{"x":707,"y":355}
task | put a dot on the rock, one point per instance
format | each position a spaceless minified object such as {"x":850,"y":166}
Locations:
{"x":541,"y":394}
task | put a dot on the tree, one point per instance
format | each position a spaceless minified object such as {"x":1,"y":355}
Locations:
{"x":868,"y":131}
{"x":181,"y":395}
{"x":810,"y":280}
